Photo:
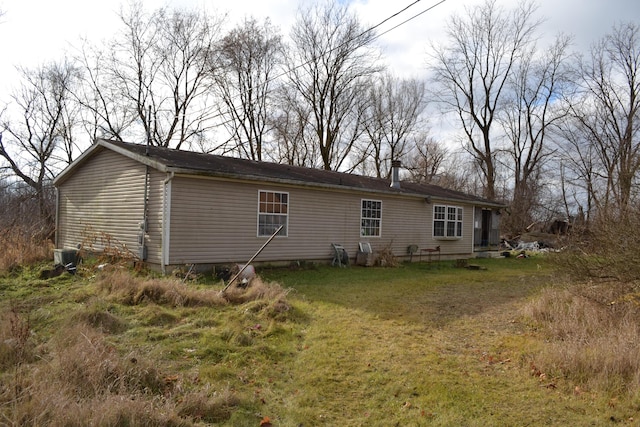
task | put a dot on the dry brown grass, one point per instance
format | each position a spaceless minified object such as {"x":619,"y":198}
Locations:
{"x":20,"y":247}
{"x":593,"y":333}
{"x":16,"y":345}
{"x":122,"y":287}
{"x":127,"y":289}
{"x":79,"y":377}
{"x":203,"y":407}
{"x":81,"y":374}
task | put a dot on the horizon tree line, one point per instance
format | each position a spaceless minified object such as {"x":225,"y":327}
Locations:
{"x":540,"y":128}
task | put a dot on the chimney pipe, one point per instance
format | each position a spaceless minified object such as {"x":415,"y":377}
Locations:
{"x":395,"y":173}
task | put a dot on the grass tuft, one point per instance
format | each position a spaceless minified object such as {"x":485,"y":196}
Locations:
{"x":202,"y":407}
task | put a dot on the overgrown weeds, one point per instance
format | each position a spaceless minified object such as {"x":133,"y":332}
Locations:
{"x":593,"y":334}
{"x":593,"y":323}
{"x":21,"y":247}
{"x":92,"y":370}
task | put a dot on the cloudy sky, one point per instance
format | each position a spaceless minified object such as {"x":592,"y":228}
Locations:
{"x":35,"y":31}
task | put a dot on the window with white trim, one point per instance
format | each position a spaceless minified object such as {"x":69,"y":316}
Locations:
{"x":370,"y":218}
{"x":273,"y":211}
{"x":447,"y":221}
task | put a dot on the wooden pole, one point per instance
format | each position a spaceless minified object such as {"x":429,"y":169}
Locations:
{"x":251,"y":260}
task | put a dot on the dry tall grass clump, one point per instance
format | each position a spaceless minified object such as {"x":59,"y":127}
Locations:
{"x":89,"y":367}
{"x":270,"y":298}
{"x":593,"y":333}
{"x":16,"y":343}
{"x":20,"y":247}
{"x":77,"y":372}
{"x":128,"y":289}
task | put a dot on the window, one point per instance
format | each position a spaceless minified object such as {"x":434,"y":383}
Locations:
{"x":447,"y":221}
{"x":273,"y":211}
{"x":370,"y":217}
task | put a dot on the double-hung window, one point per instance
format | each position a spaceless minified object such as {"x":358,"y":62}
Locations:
{"x":370,"y":218}
{"x":447,"y":221}
{"x":273,"y":211}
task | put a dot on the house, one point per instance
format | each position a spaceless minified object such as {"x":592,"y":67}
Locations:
{"x":174,"y":208}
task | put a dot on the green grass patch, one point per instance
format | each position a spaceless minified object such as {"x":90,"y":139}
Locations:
{"x":419,"y":344}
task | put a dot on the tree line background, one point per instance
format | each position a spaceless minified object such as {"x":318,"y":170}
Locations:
{"x":549,"y":132}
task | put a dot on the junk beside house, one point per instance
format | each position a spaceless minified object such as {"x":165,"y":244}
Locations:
{"x":550,"y":237}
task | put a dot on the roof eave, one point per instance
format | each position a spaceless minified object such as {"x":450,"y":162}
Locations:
{"x":391,"y":191}
{"x":103,"y":143}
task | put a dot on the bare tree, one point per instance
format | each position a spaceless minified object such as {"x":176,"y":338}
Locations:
{"x":152,"y":80}
{"x":608,"y":118}
{"x":290,"y":127}
{"x":534,"y":108}
{"x":472,"y":71}
{"x":392,"y":119}
{"x":427,"y":159}
{"x":329,"y":62}
{"x":33,"y":145}
{"x":249,"y":57}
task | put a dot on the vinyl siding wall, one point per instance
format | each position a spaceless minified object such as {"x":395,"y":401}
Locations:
{"x":101,"y":204}
{"x":215,"y":221}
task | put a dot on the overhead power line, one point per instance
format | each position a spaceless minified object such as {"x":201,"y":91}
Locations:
{"x":368,"y":30}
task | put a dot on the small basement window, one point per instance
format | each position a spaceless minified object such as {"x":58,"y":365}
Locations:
{"x":273,"y":211}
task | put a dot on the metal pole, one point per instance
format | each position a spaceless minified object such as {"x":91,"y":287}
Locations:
{"x":252,"y":258}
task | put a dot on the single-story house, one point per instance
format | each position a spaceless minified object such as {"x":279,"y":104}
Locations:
{"x":173,"y":208}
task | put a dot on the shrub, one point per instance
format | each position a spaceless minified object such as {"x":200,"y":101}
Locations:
{"x":608,"y":250}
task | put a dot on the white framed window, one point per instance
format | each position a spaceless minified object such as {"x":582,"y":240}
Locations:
{"x":447,"y":221}
{"x":273,"y":211}
{"x":370,"y":218}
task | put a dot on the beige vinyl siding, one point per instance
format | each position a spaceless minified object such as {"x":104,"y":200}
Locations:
{"x":102,"y":203}
{"x":215,"y":221}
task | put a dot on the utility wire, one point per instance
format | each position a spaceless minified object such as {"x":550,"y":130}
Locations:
{"x":350,"y":40}
{"x":410,"y":19}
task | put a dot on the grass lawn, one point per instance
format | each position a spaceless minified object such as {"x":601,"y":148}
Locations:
{"x":416,"y":345}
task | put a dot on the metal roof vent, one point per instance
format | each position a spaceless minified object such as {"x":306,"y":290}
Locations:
{"x":395,"y":173}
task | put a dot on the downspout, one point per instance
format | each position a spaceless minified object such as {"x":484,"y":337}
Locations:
{"x":56,"y":239}
{"x":142,"y":234}
{"x":166,"y":222}
{"x":143,"y":225}
{"x":473,"y":231}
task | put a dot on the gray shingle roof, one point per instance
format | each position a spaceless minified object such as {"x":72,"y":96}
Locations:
{"x":180,"y":161}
